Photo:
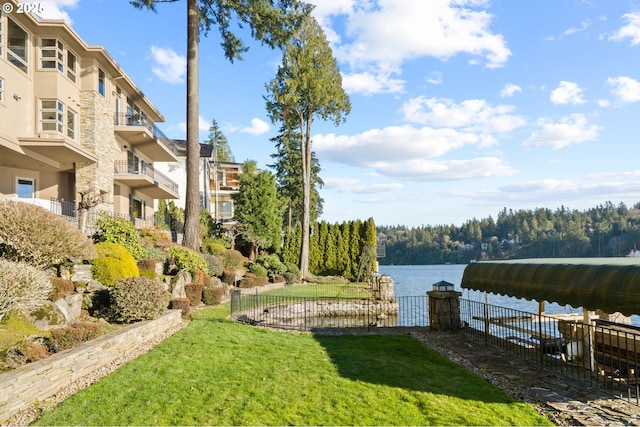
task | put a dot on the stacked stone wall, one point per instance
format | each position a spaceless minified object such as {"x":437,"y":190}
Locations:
{"x":97,"y":135}
{"x":39,"y":381}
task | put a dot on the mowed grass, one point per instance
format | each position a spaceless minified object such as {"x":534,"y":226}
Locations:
{"x":215,"y":372}
{"x":333,"y":290}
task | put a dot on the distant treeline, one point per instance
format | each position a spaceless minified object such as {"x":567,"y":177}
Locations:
{"x":606,"y":230}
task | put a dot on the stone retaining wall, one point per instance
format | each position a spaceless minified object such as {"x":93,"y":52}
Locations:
{"x":38,"y":381}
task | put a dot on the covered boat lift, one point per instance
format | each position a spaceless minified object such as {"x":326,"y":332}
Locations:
{"x":608,"y":284}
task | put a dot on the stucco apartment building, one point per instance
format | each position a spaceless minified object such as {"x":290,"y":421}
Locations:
{"x":72,"y":123}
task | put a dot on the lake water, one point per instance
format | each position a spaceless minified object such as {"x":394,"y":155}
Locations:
{"x":413,"y":280}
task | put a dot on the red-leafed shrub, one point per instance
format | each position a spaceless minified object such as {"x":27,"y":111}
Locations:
{"x":60,"y":288}
{"x":194,"y":293}
{"x":65,"y":337}
{"x":181,"y":304}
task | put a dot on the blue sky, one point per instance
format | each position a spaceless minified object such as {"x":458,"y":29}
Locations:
{"x":459,"y":107}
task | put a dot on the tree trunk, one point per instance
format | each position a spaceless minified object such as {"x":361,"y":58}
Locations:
{"x":305,"y":148}
{"x":192,"y":203}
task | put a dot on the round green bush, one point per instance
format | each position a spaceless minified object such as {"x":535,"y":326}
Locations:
{"x":232,"y":259}
{"x":214,"y":264}
{"x":138,"y":298}
{"x":258,"y":270}
{"x":119,"y":230}
{"x":187,"y":259}
{"x":113,"y":263}
{"x":272,"y":263}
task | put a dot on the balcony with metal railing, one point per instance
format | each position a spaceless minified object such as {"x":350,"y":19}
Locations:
{"x":143,"y":177}
{"x":140,"y":132}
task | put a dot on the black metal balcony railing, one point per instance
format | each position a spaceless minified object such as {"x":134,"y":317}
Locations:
{"x":140,"y":120}
{"x":124,"y":167}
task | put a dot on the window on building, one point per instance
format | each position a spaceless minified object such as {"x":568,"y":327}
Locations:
{"x":18,"y":42}
{"x":71,"y":123}
{"x":52,"y":115}
{"x":102,"y":81}
{"x":52,"y":54}
{"x":137,"y":207}
{"x":25,"y":188}
{"x":224,"y":209}
{"x":1,"y":89}
{"x":72,"y":66}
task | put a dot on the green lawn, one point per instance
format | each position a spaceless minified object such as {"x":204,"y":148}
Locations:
{"x":216,"y":372}
{"x":348,"y":290}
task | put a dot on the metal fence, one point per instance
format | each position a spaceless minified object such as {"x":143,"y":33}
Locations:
{"x":311,"y":313}
{"x":603,"y":355}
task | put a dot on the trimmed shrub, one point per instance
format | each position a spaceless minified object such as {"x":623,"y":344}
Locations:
{"x":258,"y":270}
{"x":155,"y":236}
{"x":187,"y":259}
{"x":113,"y":263}
{"x":65,"y":337}
{"x":290,"y":278}
{"x":215,"y":248}
{"x":38,"y":237}
{"x":229,"y":277}
{"x":232,"y":259}
{"x":22,"y":287}
{"x":138,"y":298}
{"x":60,"y":288}
{"x":250,"y":280}
{"x":121,"y":231}
{"x":272,"y":263}
{"x":293,"y":268}
{"x":146,"y":264}
{"x":214,"y":265}
{"x":26,"y":352}
{"x":194,"y":293}
{"x":278,"y":278}
{"x":212,"y":295}
{"x":181,"y":304}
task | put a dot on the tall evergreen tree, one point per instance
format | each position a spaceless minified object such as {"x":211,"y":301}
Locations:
{"x":219,"y":140}
{"x":308,"y":85}
{"x":271,"y":21}
{"x":258,"y":209}
{"x":287,"y":166}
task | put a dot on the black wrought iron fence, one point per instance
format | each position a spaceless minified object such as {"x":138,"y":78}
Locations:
{"x":307,"y":313}
{"x":604,"y":355}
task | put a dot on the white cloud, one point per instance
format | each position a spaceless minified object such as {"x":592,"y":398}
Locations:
{"x":470,"y":115}
{"x":355,"y":186}
{"x":583,"y":26}
{"x":258,"y":127}
{"x":53,"y":9}
{"x":570,"y":130}
{"x":382,"y":35}
{"x":625,"y":88}
{"x":631,"y":30}
{"x":203,"y":125}
{"x":407,"y":152}
{"x":168,"y":65}
{"x":435,"y":78}
{"x":368,"y":83}
{"x":567,"y":93}
{"x":509,"y":90}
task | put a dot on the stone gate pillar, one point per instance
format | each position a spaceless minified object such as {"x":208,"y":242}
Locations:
{"x":444,"y":308}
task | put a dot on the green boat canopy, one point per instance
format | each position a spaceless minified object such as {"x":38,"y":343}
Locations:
{"x":608,"y":284}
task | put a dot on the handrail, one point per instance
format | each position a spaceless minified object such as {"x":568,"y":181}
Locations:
{"x":125,"y":167}
{"x":141,"y":120}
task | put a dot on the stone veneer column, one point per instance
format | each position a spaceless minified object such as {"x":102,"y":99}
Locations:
{"x":96,"y":136}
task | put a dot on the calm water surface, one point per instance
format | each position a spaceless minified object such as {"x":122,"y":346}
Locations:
{"x":413,"y":280}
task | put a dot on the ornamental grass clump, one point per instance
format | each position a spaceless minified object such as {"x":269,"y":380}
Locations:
{"x":137,"y":299}
{"x":34,"y":235}
{"x":22,"y":287}
{"x":113,"y":263}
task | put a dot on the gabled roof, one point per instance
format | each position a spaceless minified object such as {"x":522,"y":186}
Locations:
{"x":609,"y":284}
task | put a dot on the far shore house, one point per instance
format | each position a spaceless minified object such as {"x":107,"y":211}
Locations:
{"x":72,"y":123}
